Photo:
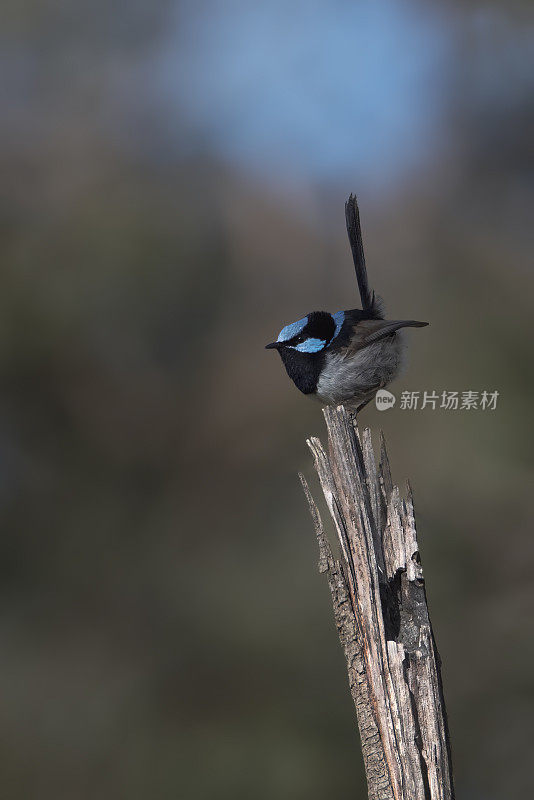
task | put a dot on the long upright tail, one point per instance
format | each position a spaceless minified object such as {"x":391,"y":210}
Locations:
{"x":370,"y":302}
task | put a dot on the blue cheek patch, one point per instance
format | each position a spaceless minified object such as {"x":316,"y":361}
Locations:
{"x":309,"y":346}
{"x":339,"y":319}
{"x":292,"y":330}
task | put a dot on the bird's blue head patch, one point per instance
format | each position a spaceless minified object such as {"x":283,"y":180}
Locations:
{"x":309,"y":345}
{"x":312,"y":333}
{"x":292,"y":330}
{"x":339,"y":319}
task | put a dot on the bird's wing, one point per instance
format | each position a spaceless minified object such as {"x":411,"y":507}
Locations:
{"x":368,"y":331}
{"x":370,"y":303}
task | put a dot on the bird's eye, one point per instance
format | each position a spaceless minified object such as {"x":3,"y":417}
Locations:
{"x":300,"y":339}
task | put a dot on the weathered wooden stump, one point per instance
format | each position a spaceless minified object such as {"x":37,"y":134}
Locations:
{"x":380,"y":609}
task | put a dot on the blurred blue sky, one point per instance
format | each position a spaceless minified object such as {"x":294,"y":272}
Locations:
{"x":310,"y":87}
{"x":370,"y":94}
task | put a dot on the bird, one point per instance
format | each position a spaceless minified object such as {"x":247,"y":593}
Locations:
{"x":345,"y":357}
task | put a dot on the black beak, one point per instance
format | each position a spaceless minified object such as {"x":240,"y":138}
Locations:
{"x":272,"y":346}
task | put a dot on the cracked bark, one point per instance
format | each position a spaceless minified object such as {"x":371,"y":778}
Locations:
{"x":380,"y":609}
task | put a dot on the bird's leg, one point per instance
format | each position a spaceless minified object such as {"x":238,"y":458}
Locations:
{"x":362,"y":405}
{"x":353,"y":414}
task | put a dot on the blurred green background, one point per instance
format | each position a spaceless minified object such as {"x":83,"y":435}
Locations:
{"x":174,"y":180}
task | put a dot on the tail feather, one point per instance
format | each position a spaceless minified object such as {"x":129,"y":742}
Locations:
{"x":370,"y":303}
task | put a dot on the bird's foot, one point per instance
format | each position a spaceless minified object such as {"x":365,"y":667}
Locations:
{"x":353,"y":413}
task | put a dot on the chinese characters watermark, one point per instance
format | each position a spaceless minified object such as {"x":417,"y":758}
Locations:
{"x":446,"y":400}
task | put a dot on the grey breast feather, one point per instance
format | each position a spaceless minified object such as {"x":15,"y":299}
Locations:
{"x":353,"y":377}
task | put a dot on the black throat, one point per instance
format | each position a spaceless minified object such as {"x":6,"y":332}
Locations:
{"x":303,"y":368}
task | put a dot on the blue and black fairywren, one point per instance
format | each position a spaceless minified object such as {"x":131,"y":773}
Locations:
{"x":347,"y":356}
